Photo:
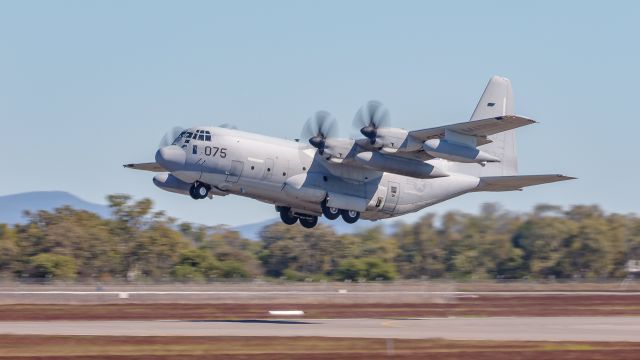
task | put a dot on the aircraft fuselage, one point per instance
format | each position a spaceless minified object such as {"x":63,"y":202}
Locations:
{"x":262,"y":168}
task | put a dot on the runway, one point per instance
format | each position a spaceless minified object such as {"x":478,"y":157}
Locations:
{"x":390,"y":295}
{"x":615,"y":328}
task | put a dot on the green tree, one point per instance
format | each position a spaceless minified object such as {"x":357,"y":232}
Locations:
{"x":367,"y":269}
{"x":8,"y":248}
{"x":52,"y":266}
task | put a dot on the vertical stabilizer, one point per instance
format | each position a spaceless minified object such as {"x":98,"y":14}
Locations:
{"x":496,"y":100}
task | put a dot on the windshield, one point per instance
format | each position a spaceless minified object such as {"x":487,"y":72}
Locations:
{"x":188,"y":135}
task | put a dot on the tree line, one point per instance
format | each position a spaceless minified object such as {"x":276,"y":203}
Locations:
{"x":140,"y":244}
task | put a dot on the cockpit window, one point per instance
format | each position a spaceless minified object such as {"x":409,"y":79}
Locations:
{"x":187,"y":136}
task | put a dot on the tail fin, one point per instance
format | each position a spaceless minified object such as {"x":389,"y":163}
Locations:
{"x":496,"y":100}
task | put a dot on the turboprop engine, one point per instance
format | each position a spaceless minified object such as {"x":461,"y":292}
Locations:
{"x":456,"y":152}
{"x":400,"y":166}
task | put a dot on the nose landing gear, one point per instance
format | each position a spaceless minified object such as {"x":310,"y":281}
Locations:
{"x":199,"y":190}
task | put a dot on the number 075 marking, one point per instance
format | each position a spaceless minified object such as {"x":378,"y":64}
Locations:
{"x":215,"y":151}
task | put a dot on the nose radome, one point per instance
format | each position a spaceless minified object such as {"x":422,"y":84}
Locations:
{"x":171,"y":157}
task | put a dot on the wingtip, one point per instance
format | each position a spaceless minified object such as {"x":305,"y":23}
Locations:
{"x":565,"y":177}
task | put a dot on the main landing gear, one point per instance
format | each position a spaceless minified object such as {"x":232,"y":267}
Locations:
{"x":289,"y":218}
{"x":349,"y":216}
{"x":199,"y":190}
{"x":310,"y":221}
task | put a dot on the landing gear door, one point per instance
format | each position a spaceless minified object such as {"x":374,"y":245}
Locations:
{"x":235,"y":171}
{"x":393,"y":194}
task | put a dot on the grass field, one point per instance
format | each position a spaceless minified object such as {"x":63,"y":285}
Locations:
{"x":113,"y":347}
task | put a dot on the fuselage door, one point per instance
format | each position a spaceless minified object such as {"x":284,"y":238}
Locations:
{"x":393,"y":194}
{"x":235,"y":171}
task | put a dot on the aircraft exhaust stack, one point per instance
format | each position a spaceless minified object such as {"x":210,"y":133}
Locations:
{"x":400,"y":166}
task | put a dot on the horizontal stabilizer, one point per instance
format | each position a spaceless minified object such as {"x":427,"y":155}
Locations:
{"x":511,"y":183}
{"x":155,"y":167}
{"x":478,"y":128}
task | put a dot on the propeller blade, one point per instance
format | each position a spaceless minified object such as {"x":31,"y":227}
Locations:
{"x":319,"y":127}
{"x":371,"y":117}
{"x":170,"y":136}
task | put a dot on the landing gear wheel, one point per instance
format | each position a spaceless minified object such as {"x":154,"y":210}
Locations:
{"x":309,"y":222}
{"x":350,"y":216}
{"x":287,"y":217}
{"x":199,"y":190}
{"x":330,"y":213}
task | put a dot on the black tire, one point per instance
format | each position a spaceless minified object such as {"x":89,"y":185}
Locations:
{"x":192,"y":192}
{"x":287,"y":217}
{"x":201,"y":190}
{"x":309,"y":222}
{"x":350,"y":216}
{"x":329,"y":212}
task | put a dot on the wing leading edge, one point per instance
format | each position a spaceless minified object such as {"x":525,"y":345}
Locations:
{"x":477,"y":128}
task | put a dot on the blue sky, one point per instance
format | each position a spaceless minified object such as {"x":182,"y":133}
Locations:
{"x":86,"y":86}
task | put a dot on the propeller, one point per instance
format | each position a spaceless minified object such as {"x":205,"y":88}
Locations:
{"x":170,"y":136}
{"x":228,"y":126}
{"x":318,"y":128}
{"x":371,"y":117}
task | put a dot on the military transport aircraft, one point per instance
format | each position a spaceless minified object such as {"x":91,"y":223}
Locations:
{"x":389,"y":172}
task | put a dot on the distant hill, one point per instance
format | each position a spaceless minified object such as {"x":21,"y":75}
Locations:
{"x":13,"y":206}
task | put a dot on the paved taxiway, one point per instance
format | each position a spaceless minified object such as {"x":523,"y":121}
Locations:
{"x":612,"y":328}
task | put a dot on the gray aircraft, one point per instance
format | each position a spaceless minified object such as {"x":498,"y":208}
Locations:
{"x":387,"y":173}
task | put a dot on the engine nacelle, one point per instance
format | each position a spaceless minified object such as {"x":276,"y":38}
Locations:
{"x":398,"y":165}
{"x":395,"y":139}
{"x":168,"y":182}
{"x":456,"y":152}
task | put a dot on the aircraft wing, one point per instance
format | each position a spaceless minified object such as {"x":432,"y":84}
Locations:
{"x":511,"y":183}
{"x":478,"y":128}
{"x":146,"y":167}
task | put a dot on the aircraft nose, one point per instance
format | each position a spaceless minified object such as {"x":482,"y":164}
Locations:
{"x":171,"y":157}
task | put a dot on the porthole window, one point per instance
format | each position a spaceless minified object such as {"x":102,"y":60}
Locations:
{"x":268,"y":169}
{"x":284,"y":174}
{"x":304,"y":168}
{"x":252,"y":167}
